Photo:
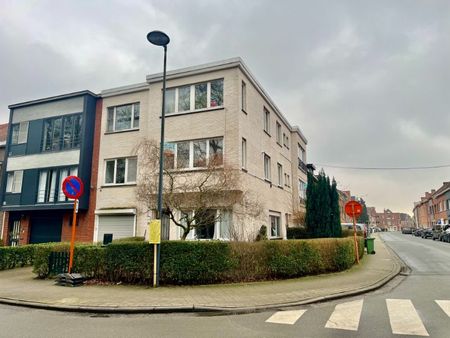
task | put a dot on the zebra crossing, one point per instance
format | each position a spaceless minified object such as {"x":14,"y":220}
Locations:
{"x":403,"y":316}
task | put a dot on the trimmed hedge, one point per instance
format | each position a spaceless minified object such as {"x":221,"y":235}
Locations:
{"x":206,"y":262}
{"x":16,"y":256}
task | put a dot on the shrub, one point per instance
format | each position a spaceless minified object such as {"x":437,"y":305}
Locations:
{"x":204,"y":262}
{"x":129,"y":239}
{"x":16,"y":256}
{"x":298,"y":233}
{"x":184,"y":262}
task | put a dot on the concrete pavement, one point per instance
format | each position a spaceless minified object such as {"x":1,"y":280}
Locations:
{"x":19,"y":287}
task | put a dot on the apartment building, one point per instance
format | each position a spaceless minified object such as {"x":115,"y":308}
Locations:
{"x":48,"y":139}
{"x":213,"y":111}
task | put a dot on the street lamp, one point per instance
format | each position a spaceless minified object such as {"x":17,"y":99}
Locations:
{"x":159,"y":38}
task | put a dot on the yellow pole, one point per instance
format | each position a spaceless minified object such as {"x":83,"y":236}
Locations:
{"x":354,"y":235}
{"x":155,"y":257}
{"x":72,"y":241}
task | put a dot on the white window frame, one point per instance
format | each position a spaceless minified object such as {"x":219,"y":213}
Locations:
{"x":278,"y":228}
{"x":133,"y":120}
{"x":243,"y":96}
{"x":14,"y":182}
{"x":218,"y":224}
{"x":192,"y":97}
{"x":22,"y":134}
{"x":280,"y":174}
{"x":279,"y":133}
{"x":301,"y":153}
{"x":244,"y":153}
{"x":301,"y":189}
{"x":191,"y":153}
{"x":115,"y":171}
{"x":267,"y":171}
{"x":266,"y":117}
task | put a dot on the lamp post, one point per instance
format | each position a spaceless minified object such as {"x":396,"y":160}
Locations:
{"x":159,"y":38}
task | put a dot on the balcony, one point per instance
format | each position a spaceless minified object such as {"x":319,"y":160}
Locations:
{"x":302,"y":166}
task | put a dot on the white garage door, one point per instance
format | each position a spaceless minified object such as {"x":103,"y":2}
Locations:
{"x":119,"y":225}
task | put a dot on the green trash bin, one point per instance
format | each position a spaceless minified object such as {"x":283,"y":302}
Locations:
{"x":370,"y":246}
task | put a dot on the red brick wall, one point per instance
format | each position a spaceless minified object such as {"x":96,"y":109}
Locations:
{"x":86,"y":220}
{"x":5,"y":228}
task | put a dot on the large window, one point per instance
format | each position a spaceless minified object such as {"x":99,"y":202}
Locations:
{"x":123,"y":117}
{"x":266,"y":117}
{"x":216,"y":224}
{"x":62,"y":132}
{"x":275,"y":226}
{"x":121,"y":171}
{"x":194,"y":97}
{"x":50,"y":184}
{"x":14,"y":181}
{"x":267,"y":175}
{"x":194,"y":154}
{"x":19,"y":133}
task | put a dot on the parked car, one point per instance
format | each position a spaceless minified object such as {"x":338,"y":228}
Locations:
{"x":427,"y":233}
{"x":407,"y":231}
{"x":437,"y":230}
{"x":418,"y":232}
{"x":445,"y":234}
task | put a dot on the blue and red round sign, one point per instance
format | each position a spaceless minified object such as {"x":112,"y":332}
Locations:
{"x":72,"y":187}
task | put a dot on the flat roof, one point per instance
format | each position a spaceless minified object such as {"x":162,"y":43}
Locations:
{"x":52,"y":98}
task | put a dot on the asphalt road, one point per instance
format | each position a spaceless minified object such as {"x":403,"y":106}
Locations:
{"x":414,"y":305}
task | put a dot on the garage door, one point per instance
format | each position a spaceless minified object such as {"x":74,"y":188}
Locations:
{"x":45,"y":229}
{"x":119,"y":225}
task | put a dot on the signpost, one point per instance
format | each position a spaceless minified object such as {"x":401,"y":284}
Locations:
{"x":354,"y":209}
{"x":155,"y":239}
{"x":73,"y":188}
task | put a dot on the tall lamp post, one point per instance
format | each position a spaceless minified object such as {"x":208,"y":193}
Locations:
{"x":159,"y":38}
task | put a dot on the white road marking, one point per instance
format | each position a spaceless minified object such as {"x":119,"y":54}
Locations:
{"x":285,"y":317}
{"x":404,"y":318}
{"x":445,"y":306}
{"x":346,"y":316}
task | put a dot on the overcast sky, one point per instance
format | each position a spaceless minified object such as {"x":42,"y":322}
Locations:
{"x":368,"y":82}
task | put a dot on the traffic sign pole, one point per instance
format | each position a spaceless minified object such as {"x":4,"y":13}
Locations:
{"x":73,"y":187}
{"x":354,"y":235}
{"x":72,"y":241}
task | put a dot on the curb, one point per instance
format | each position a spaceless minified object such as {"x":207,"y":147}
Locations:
{"x":399,"y":268}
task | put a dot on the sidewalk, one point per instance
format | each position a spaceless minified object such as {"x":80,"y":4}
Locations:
{"x":18,"y":287}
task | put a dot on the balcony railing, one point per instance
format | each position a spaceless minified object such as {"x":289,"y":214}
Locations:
{"x":302,"y":166}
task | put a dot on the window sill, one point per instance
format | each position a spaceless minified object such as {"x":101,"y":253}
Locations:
{"x":268,"y":181}
{"x":193,"y":111}
{"x":244,"y":170}
{"x":279,"y":144}
{"x":244,"y":111}
{"x":118,"y":185}
{"x":121,"y":131}
{"x":281,"y":187}
{"x":276,"y":238}
{"x":267,"y":133}
{"x":186,"y":170}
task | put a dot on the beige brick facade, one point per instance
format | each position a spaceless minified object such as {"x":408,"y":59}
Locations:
{"x":229,"y":121}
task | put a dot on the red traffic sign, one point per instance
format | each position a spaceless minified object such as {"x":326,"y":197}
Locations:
{"x":73,"y":187}
{"x":353,"y":209}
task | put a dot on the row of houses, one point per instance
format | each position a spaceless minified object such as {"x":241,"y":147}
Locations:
{"x":213,"y":111}
{"x":389,"y":220}
{"x":433,"y":208}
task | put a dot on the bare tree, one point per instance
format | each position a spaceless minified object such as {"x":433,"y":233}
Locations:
{"x":190,"y":196}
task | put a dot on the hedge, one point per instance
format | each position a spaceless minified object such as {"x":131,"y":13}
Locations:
{"x":206,"y":262}
{"x":16,"y":256}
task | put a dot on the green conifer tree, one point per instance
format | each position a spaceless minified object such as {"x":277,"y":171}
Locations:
{"x":335,"y":211}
